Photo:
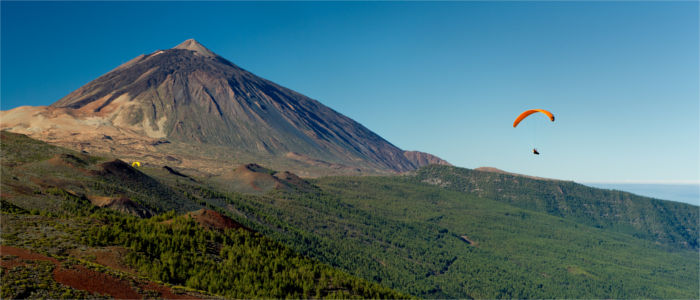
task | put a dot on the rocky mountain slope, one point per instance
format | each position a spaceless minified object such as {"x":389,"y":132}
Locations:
{"x":156,"y":106}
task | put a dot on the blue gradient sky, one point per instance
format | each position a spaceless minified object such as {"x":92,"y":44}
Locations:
{"x":445,"y":78}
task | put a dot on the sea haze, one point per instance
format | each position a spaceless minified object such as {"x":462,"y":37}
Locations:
{"x":686,"y":193}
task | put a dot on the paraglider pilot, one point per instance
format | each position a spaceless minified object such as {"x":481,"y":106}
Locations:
{"x":525,"y":114}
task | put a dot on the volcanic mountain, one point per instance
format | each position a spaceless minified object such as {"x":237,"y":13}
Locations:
{"x":189,"y":106}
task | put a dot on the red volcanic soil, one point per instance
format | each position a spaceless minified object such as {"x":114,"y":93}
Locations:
{"x":24,"y":254}
{"x":9,"y":264}
{"x":21,"y":253}
{"x":214,"y":220}
{"x":79,"y":277}
{"x":95,"y":282}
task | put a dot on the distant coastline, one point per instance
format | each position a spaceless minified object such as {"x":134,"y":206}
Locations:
{"x":686,"y":193}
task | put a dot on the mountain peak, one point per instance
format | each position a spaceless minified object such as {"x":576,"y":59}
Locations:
{"x":191,"y":97}
{"x":192,"y":44}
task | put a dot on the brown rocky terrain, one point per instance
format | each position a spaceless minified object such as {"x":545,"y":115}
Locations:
{"x":192,"y":109}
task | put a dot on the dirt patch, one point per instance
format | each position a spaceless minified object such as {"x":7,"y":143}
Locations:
{"x":95,"y":282}
{"x":24,"y":254}
{"x":10,"y":261}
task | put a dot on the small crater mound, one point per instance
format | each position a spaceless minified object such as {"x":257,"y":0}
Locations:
{"x":122,"y":204}
{"x":253,"y":178}
{"x":250,"y":178}
{"x":214,"y":220}
{"x":119,"y":168}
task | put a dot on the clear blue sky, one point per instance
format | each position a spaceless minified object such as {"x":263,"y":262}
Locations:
{"x":445,"y":78}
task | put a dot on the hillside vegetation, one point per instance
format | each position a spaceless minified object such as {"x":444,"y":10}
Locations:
{"x":437,"y":243}
{"x":657,"y":220}
{"x":441,"y":232}
{"x":47,"y":208}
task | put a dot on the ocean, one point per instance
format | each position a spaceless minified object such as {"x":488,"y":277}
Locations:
{"x":686,"y":193}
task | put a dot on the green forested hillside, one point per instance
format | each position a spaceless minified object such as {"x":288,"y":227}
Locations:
{"x":667,"y":222}
{"x":433,"y":242}
{"x":233,"y":263}
{"x":442,"y":232}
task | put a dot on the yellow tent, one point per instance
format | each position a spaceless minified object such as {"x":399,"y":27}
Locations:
{"x":136,"y":164}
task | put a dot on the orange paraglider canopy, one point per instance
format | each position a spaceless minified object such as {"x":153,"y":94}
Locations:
{"x":529,"y":112}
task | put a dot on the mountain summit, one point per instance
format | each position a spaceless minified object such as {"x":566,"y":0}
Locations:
{"x":188,"y":96}
{"x":195,"y":46}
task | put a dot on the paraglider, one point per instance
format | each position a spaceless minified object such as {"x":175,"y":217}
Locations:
{"x":526,"y":114}
{"x":136,"y":164}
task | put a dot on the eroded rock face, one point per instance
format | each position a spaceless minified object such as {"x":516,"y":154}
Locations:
{"x":189,"y":95}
